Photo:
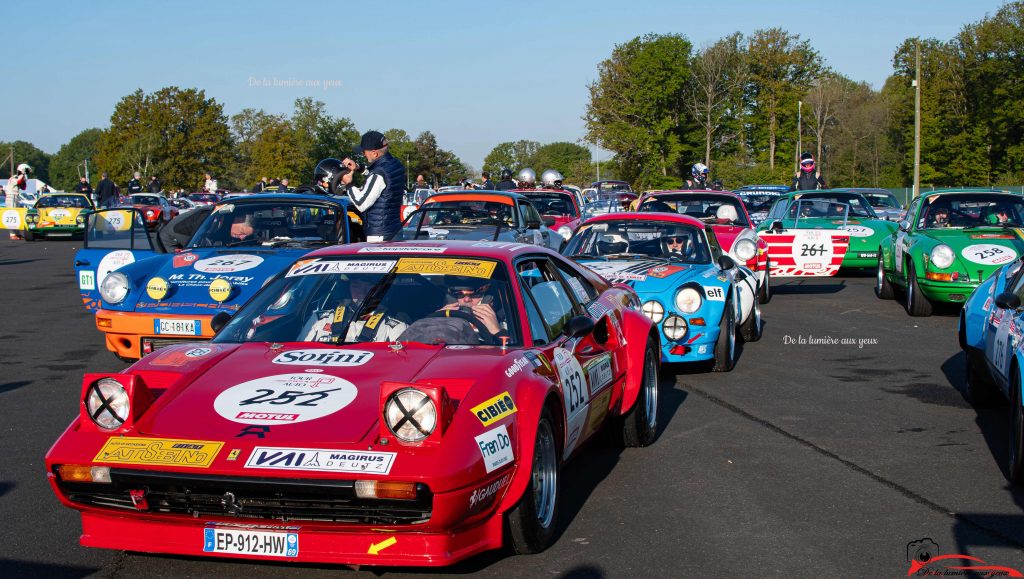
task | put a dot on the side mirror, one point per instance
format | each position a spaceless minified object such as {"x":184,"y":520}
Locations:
{"x":904,"y":225}
{"x":533,"y":224}
{"x":549,"y":221}
{"x":578,"y":327}
{"x":726,"y":262}
{"x":219,"y":321}
{"x":1007,"y":301}
{"x":776,"y":227}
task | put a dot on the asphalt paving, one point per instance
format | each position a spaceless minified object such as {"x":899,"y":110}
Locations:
{"x":840,"y":439}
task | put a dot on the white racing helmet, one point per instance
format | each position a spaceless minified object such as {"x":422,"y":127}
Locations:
{"x":551,"y":178}
{"x":527,"y":176}
{"x":727,"y":212}
{"x":24,"y":168}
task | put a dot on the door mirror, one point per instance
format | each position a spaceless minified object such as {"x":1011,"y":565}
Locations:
{"x":534,"y":224}
{"x":578,"y":327}
{"x":1007,"y":301}
{"x":776,"y":227}
{"x":904,"y":225}
{"x":219,"y":321}
{"x":726,"y":262}
{"x":549,"y":221}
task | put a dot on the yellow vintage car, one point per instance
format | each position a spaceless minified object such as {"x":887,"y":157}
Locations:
{"x":58,"y":215}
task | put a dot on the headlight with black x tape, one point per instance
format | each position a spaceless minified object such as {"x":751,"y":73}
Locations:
{"x":114,"y":402}
{"x":414,"y":413}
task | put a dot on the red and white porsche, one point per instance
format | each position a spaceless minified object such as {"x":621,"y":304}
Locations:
{"x":374,"y":404}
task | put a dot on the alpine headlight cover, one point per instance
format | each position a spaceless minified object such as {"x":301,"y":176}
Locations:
{"x":108,"y":404}
{"x":565,"y":232}
{"x":745,"y":249}
{"x":114,"y":288}
{"x":675,"y":328}
{"x":688,"y":300}
{"x":942,"y":256}
{"x":410,"y":415}
{"x":653,"y":310}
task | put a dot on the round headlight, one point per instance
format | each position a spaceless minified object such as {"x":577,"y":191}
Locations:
{"x":108,"y":404}
{"x":220,"y":289}
{"x":80,"y":219}
{"x":149,"y":213}
{"x":653,"y":310}
{"x":745,"y":249}
{"x":675,"y":328}
{"x":565,"y":232}
{"x":114,"y":288}
{"x":942,"y":256}
{"x":410,"y":415}
{"x":688,"y":300}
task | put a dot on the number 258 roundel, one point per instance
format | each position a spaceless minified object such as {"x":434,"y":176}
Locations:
{"x":285,"y":399}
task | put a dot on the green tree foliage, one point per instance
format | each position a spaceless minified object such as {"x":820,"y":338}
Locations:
{"x":513,"y":155}
{"x":173,"y":133}
{"x":438,"y":166}
{"x":25,"y":152}
{"x":67,"y":165}
{"x":319,"y":135}
{"x":277,"y":153}
{"x":561,"y":156}
{"x":637,"y":108}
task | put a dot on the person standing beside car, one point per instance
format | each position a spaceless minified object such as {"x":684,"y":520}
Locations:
{"x":506,"y":183}
{"x":486,"y":184}
{"x":210,"y":185}
{"x":84,"y":188}
{"x":808,"y":178}
{"x":134,"y":184}
{"x":106,"y":192}
{"x":155,"y":186}
{"x":380,"y":198}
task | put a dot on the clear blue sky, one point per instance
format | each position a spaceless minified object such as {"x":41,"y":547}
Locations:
{"x":475,"y":74}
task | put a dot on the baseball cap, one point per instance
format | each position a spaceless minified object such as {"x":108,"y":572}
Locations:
{"x":371,"y":141}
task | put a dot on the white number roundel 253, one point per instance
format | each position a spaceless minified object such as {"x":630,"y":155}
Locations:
{"x":988,"y":254}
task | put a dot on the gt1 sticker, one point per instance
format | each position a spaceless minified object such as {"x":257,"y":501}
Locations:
{"x":812,"y":249}
{"x":988,"y":254}
{"x":87,"y":279}
{"x":715,"y":294}
{"x":112,"y":262}
{"x":495,"y":447}
{"x":321,"y":460}
{"x":228,"y":263}
{"x":285,"y":399}
{"x":12,"y":219}
{"x":858,"y":230}
{"x":318,"y":267}
{"x":333,"y":358}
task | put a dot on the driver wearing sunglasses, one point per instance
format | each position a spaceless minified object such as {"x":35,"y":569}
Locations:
{"x":470,"y":296}
{"x":675,"y":246}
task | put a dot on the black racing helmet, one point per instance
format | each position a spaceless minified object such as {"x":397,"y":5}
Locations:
{"x":506,"y":173}
{"x":327,"y":175}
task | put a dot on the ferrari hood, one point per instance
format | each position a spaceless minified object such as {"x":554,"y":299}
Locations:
{"x":646,"y":275}
{"x":289,"y":394}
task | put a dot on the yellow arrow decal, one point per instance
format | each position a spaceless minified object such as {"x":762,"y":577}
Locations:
{"x":376,"y":548}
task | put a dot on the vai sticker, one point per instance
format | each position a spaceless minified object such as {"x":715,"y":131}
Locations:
{"x":324,"y":357}
{"x":493,"y":410}
{"x":988,"y":254}
{"x":228,"y":263}
{"x":495,"y":448}
{"x":446,"y":266}
{"x":321,"y":460}
{"x":318,"y":267}
{"x":158,"y":451}
{"x":285,"y":399}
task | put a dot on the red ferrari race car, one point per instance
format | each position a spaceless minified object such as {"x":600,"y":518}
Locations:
{"x":558,"y":207}
{"x":156,"y":210}
{"x":728,"y":217}
{"x":374,"y":404}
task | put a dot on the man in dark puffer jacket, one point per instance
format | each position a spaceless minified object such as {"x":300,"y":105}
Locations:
{"x":380,"y":198}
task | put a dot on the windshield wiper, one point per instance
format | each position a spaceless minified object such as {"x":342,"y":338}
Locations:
{"x":243,"y":242}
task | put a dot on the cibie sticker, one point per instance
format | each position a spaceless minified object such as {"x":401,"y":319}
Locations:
{"x":112,"y":262}
{"x":321,"y":460}
{"x":715,"y":294}
{"x":285,"y":399}
{"x":495,"y":448}
{"x":323,"y":357}
{"x":490,"y":411}
{"x":988,"y":254}
{"x":228,"y":263}
{"x":858,"y":230}
{"x":326,"y":267}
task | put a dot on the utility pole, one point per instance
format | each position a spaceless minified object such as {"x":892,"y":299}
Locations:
{"x":87,"y":170}
{"x":598,"y":152}
{"x":917,"y":123}
{"x":799,"y":132}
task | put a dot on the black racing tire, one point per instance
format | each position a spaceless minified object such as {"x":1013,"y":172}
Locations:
{"x":533,"y":521}
{"x":764,"y":293}
{"x":751,"y":329}
{"x":883,"y":287}
{"x":640,"y":424}
{"x":725,"y":346}
{"x":981,"y":389}
{"x":961,"y":334}
{"x":1015,"y":459}
{"x":29,"y":235}
{"x":917,"y":304}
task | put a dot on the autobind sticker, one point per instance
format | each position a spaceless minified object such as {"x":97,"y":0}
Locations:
{"x":158,"y":451}
{"x":285,"y":399}
{"x":446,"y":266}
{"x":988,"y":254}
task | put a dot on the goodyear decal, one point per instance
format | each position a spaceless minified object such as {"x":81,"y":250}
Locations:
{"x":158,"y":451}
{"x":446,"y":266}
{"x":493,"y":410}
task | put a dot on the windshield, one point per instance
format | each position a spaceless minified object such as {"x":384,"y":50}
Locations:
{"x":758,"y":201}
{"x":554,"y":204}
{"x":449,"y":300}
{"x":833,"y":206}
{"x":714,"y":209}
{"x":446,"y":219}
{"x":270,"y":223}
{"x":602,"y":207}
{"x":882,"y":200}
{"x":609,"y":186}
{"x":205,"y":197}
{"x":633,"y":238}
{"x":145,"y":200}
{"x":972,"y":211}
{"x":70,"y":201}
